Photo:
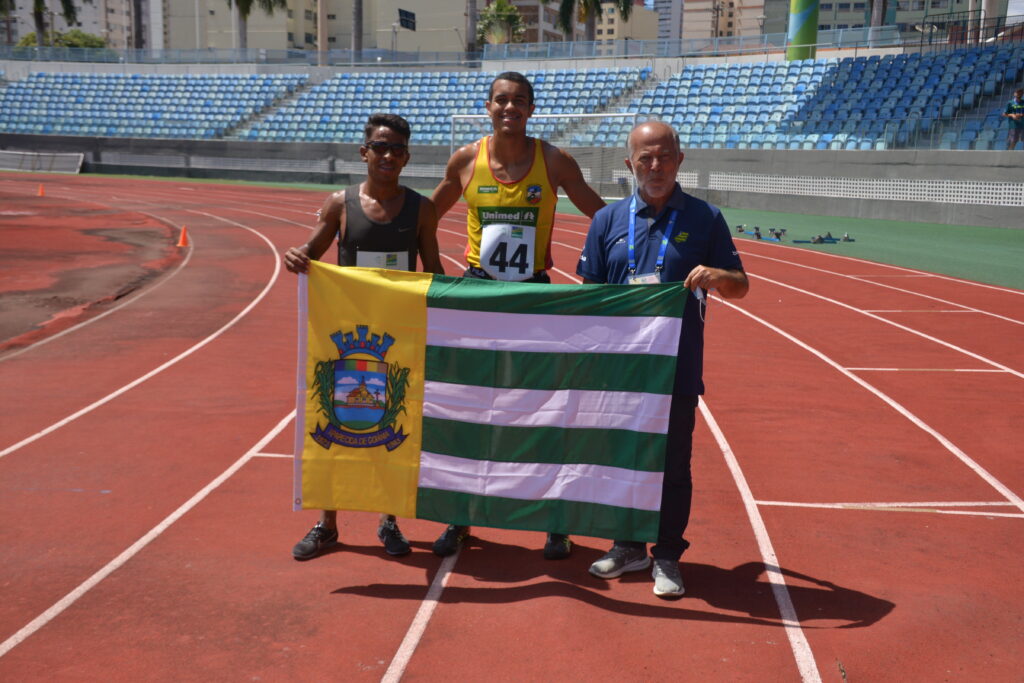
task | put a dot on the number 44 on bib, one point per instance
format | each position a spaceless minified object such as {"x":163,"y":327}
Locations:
{"x":506,"y":251}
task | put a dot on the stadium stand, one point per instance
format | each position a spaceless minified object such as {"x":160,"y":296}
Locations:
{"x":137,"y":105}
{"x":944,"y":99}
{"x":336,"y":110}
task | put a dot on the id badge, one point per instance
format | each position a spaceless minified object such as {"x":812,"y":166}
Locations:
{"x":645,"y":279}
{"x":389,"y":260}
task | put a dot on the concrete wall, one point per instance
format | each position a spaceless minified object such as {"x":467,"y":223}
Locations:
{"x":337,"y":164}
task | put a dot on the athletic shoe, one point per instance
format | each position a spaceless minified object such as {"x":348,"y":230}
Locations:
{"x":391,"y":536}
{"x":449,"y":542}
{"x":318,"y":538}
{"x":619,"y":560}
{"x":558,"y":547}
{"x":668,"y":582}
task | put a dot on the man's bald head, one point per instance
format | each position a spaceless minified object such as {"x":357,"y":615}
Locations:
{"x":650,"y":132}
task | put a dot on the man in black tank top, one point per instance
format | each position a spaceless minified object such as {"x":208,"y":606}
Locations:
{"x":378,"y":223}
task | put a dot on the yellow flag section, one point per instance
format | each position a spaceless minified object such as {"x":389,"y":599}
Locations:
{"x":358,"y":436}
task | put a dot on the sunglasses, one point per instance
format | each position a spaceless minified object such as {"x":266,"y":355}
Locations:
{"x":381,"y":147}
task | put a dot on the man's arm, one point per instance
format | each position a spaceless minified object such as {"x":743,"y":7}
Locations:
{"x":566,"y":173}
{"x":427,"y":238}
{"x":731,"y":283}
{"x":450,"y":188}
{"x":330,"y":218}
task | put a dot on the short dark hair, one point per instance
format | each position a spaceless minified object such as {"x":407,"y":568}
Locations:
{"x":513,"y":76}
{"x":392,"y":121}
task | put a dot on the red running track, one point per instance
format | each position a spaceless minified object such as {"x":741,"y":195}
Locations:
{"x":857,"y":514}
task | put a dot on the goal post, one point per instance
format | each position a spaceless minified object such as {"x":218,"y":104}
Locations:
{"x":596,"y":141}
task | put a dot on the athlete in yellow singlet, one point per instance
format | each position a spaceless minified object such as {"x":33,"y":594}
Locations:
{"x":509,"y":181}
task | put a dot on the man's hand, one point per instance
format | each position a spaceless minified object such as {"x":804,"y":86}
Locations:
{"x":731,"y":284}
{"x":296,"y":259}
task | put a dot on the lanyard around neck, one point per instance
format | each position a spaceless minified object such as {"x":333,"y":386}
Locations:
{"x":664,"y":239}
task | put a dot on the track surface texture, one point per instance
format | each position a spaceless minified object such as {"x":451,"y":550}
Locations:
{"x":858,"y":511}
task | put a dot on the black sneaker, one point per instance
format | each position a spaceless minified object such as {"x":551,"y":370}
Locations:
{"x":392,"y":538}
{"x":449,"y":542}
{"x":558,"y":547}
{"x":318,"y":538}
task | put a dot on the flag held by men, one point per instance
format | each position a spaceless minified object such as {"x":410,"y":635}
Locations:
{"x":512,"y":405}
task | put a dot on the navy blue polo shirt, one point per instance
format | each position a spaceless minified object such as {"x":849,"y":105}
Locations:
{"x":700,"y":237}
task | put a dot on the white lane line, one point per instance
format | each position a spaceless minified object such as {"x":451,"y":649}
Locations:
{"x":934,"y":508}
{"x":923,"y":310}
{"x":420,"y":621}
{"x":797,"y":639}
{"x":946,"y":443}
{"x":101,"y":316}
{"x":924,"y":370}
{"x":273,"y":455}
{"x":930,"y":503}
{"x":181,"y":356}
{"x":1006,"y":290}
{"x":868,"y":280}
{"x":911,"y":330}
{"x":137,"y":547}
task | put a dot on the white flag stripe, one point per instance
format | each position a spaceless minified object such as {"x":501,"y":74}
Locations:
{"x":565,"y":408}
{"x":552,"y":333}
{"x":541,"y":481}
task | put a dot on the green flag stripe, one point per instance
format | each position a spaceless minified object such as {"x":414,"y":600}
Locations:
{"x":470,"y":294}
{"x":560,"y":516}
{"x":612,"y":447}
{"x":551,"y":371}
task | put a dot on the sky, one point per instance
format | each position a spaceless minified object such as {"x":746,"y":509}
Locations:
{"x":1015,"y":8}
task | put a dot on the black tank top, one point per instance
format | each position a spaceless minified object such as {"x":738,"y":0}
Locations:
{"x":363,"y":234}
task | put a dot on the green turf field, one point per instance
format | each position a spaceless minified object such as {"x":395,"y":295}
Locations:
{"x":991,"y":255}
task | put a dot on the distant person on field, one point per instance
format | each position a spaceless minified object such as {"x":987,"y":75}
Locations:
{"x":510,"y":178}
{"x":662,"y":234}
{"x":377,"y":216}
{"x":1015,"y":113}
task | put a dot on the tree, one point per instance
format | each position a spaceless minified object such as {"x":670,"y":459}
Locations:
{"x":40,"y":10}
{"x":245,"y":9}
{"x":73,"y":38}
{"x":589,"y":11}
{"x":500,"y":22}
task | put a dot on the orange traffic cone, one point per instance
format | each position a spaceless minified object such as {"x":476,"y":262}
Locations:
{"x":183,"y":240}
{"x":42,"y":192}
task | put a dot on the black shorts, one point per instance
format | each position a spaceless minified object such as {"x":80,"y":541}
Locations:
{"x":481,"y":274}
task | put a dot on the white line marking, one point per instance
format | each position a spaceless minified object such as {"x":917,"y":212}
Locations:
{"x":887,"y":265}
{"x":797,"y":640}
{"x":118,"y":307}
{"x":181,"y":356}
{"x":924,"y":370}
{"x":879,"y":310}
{"x":946,"y":443}
{"x":419,"y":623}
{"x":948,"y":345}
{"x":868,"y":280}
{"x":902,"y":507}
{"x":137,"y":547}
{"x":931,"y":504}
{"x":273,"y":455}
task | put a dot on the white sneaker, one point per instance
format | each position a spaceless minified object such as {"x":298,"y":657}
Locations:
{"x":668,"y":582}
{"x":620,"y":559}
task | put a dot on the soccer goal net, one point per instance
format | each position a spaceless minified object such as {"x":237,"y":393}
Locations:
{"x":41,"y":161}
{"x":596,"y":141}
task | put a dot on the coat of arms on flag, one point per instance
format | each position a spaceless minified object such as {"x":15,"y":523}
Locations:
{"x":502,"y":404}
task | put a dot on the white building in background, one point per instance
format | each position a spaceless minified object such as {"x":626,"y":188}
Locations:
{"x":642,"y":23}
{"x":670,"y":19}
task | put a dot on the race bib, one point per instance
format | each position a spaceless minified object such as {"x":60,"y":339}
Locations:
{"x":390,"y":260}
{"x":506,"y":251}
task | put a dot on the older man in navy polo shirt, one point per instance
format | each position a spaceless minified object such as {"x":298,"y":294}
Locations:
{"x":675,"y":237}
